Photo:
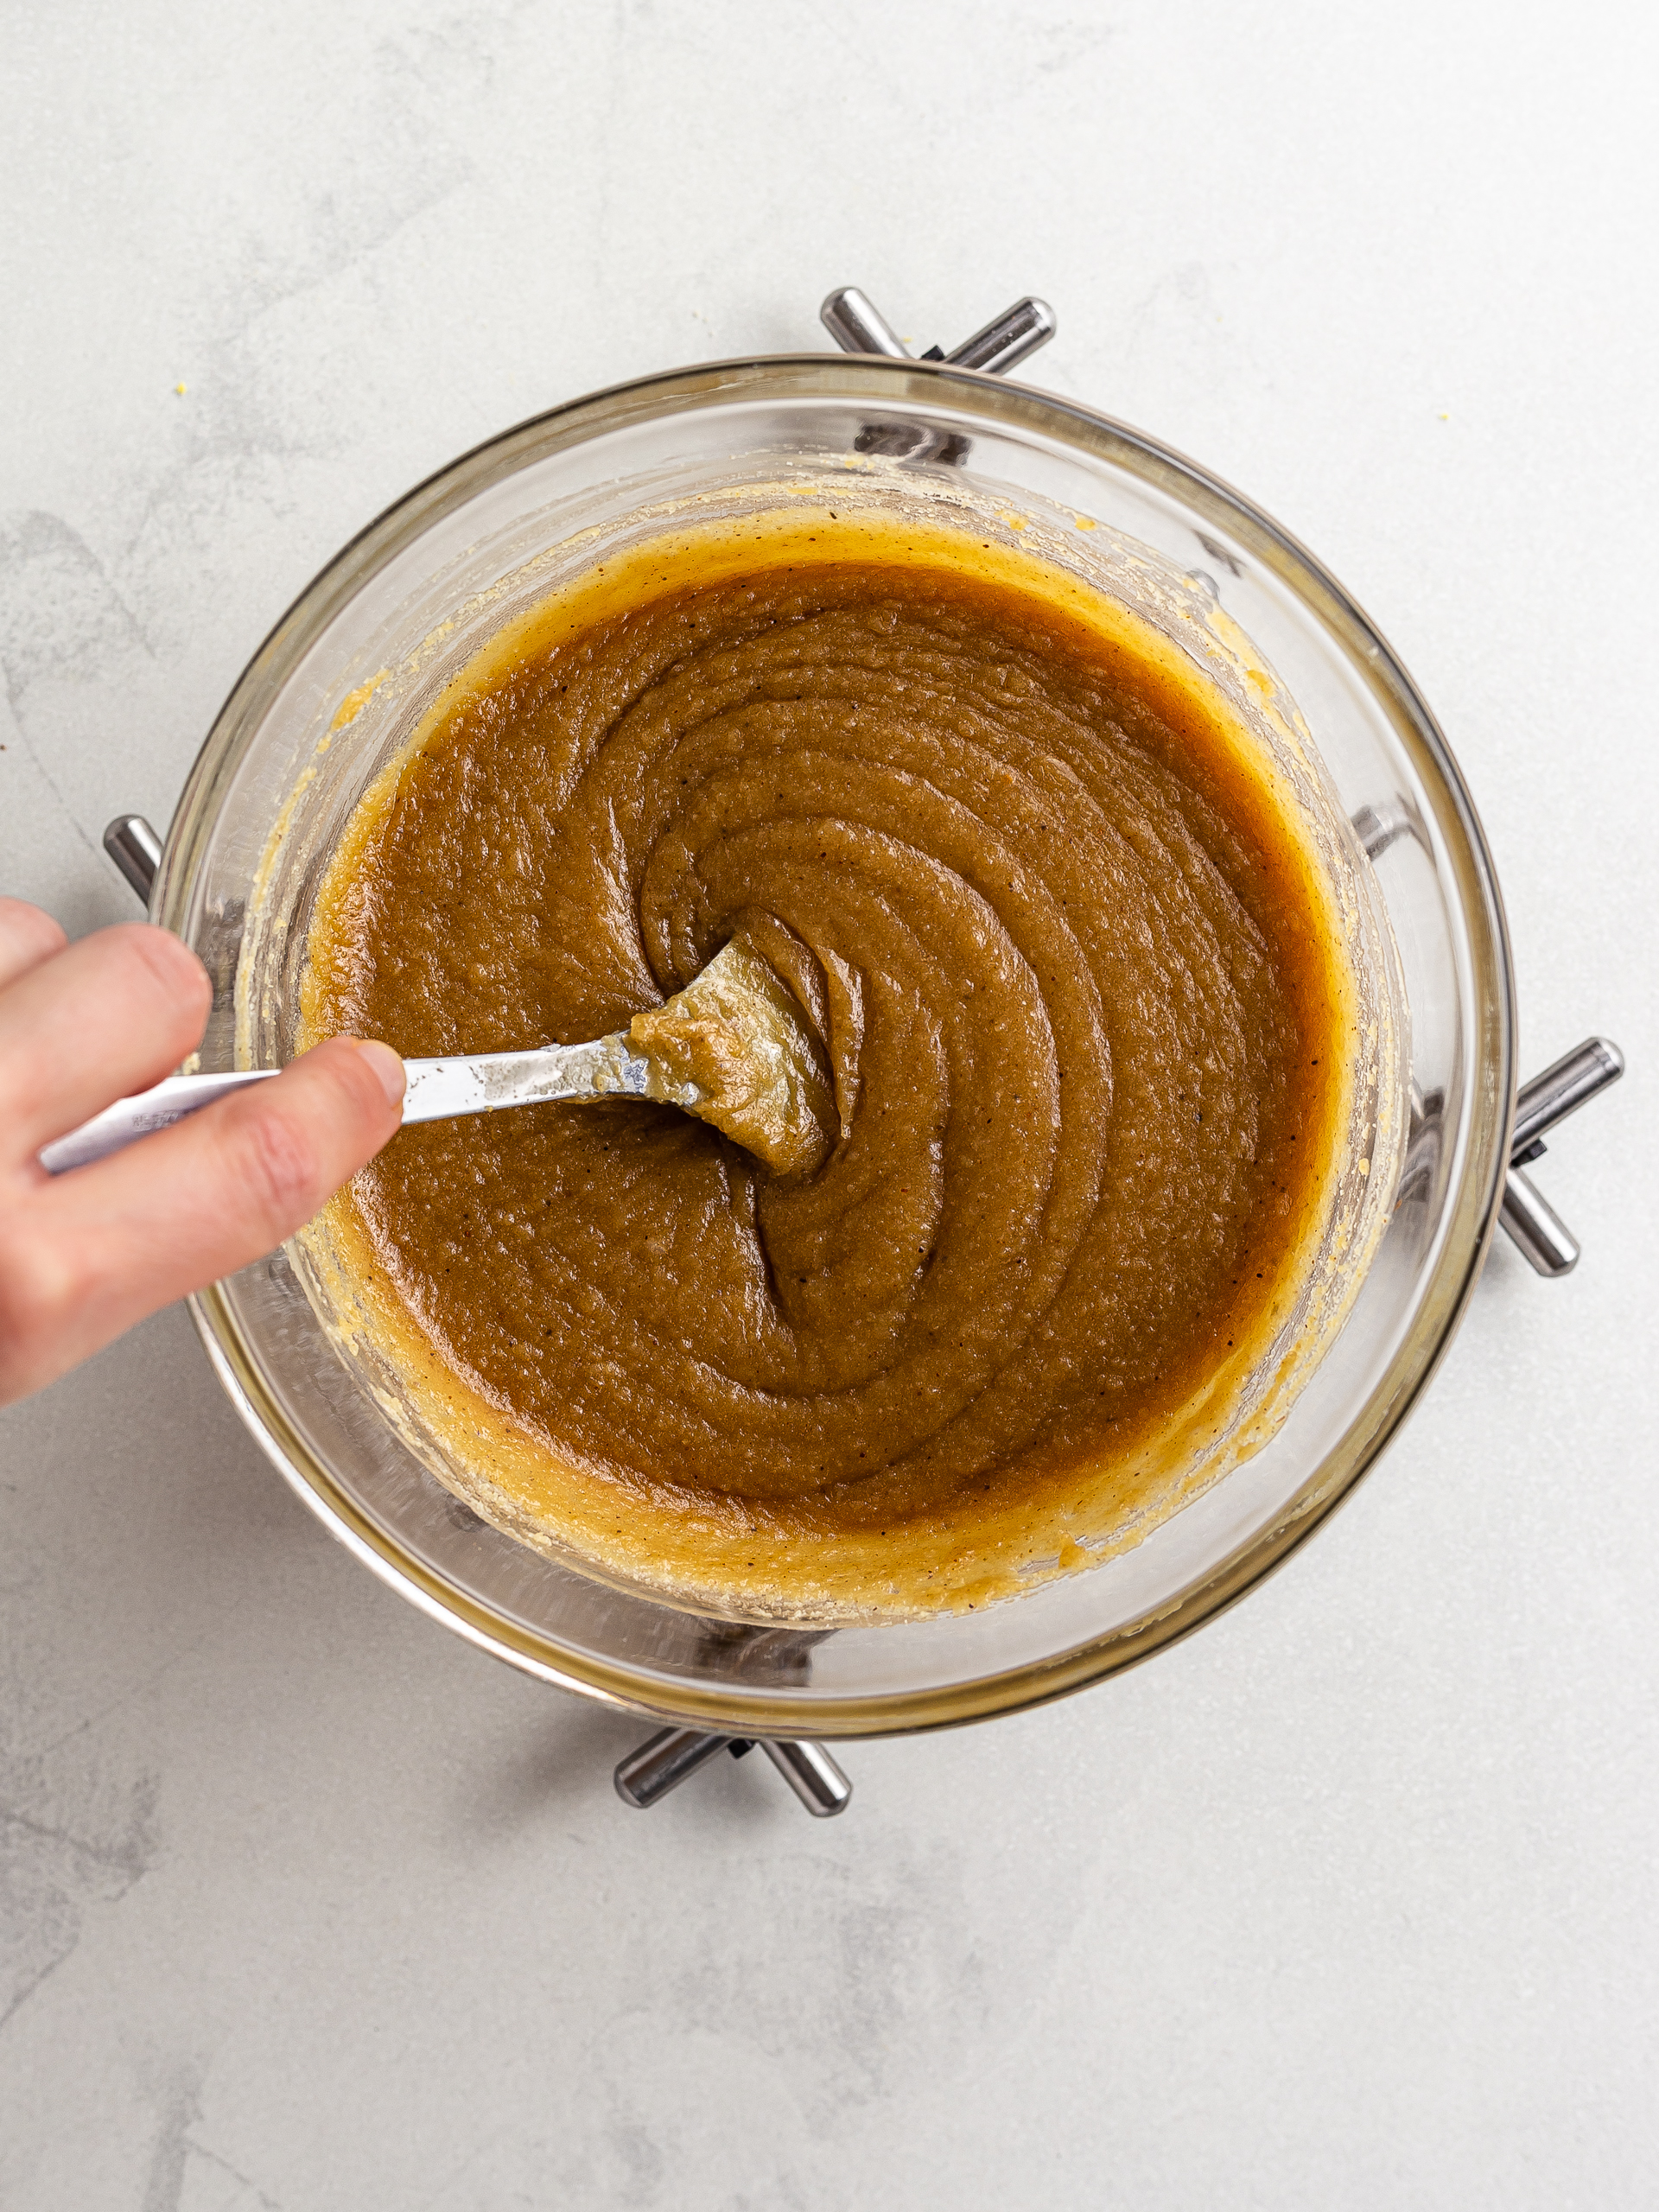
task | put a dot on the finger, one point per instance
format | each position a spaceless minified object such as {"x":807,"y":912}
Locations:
{"x":111,"y":1015}
{"x":26,"y":937}
{"x":110,"y":1244}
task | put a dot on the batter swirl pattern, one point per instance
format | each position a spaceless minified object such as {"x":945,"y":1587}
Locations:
{"x":1071,"y":983}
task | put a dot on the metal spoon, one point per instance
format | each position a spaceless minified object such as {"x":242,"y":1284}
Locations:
{"x":733,"y":1048}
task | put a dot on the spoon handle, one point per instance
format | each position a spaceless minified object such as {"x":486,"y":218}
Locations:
{"x":436,"y":1090}
{"x":482,"y":1081}
{"x":128,"y":1119}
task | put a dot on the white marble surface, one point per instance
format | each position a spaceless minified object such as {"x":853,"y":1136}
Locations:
{"x":1349,"y":1901}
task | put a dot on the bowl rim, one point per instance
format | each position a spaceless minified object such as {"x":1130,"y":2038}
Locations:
{"x":1472,"y":1213}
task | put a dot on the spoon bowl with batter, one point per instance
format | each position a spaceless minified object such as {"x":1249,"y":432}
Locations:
{"x":733,"y":1048}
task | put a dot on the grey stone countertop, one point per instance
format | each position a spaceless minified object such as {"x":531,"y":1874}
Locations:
{"x":1348,"y":1901}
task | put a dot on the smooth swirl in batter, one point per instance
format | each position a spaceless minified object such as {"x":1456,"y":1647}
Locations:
{"x":1071,"y":994}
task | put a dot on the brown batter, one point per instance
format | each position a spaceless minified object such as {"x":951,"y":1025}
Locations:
{"x":1089,"y":1028}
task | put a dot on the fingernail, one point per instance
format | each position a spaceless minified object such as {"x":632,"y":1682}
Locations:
{"x":387,"y":1066}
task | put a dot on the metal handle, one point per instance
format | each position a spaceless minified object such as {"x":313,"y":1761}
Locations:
{"x":1531,"y":1220}
{"x":857,"y":326}
{"x":1379,"y":826}
{"x":135,"y":850}
{"x":1576,"y":1078}
{"x":128,"y":1119}
{"x":1561,"y":1090}
{"x":664,"y":1761}
{"x":811,"y":1774}
{"x":435,"y":1091}
{"x":1536,"y":1227}
{"x":1018,"y":330}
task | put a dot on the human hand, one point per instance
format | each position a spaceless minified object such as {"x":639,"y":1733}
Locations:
{"x":86,"y":1254}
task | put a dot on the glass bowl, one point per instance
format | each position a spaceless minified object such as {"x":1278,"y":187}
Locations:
{"x":352,"y":663}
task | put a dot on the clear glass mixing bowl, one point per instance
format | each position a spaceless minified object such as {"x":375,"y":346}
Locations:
{"x":409,"y":600}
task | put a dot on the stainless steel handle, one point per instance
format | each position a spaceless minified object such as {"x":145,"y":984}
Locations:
{"x":858,"y":327}
{"x":1536,"y":1227}
{"x":435,"y":1091}
{"x":666,"y":1760}
{"x":1381,"y":825}
{"x":128,"y":1119}
{"x":811,"y":1774}
{"x":135,"y":850}
{"x":664,"y":1763}
{"x":1531,"y":1220}
{"x":1576,"y":1078}
{"x":1561,"y":1090}
{"x":1018,"y":330}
